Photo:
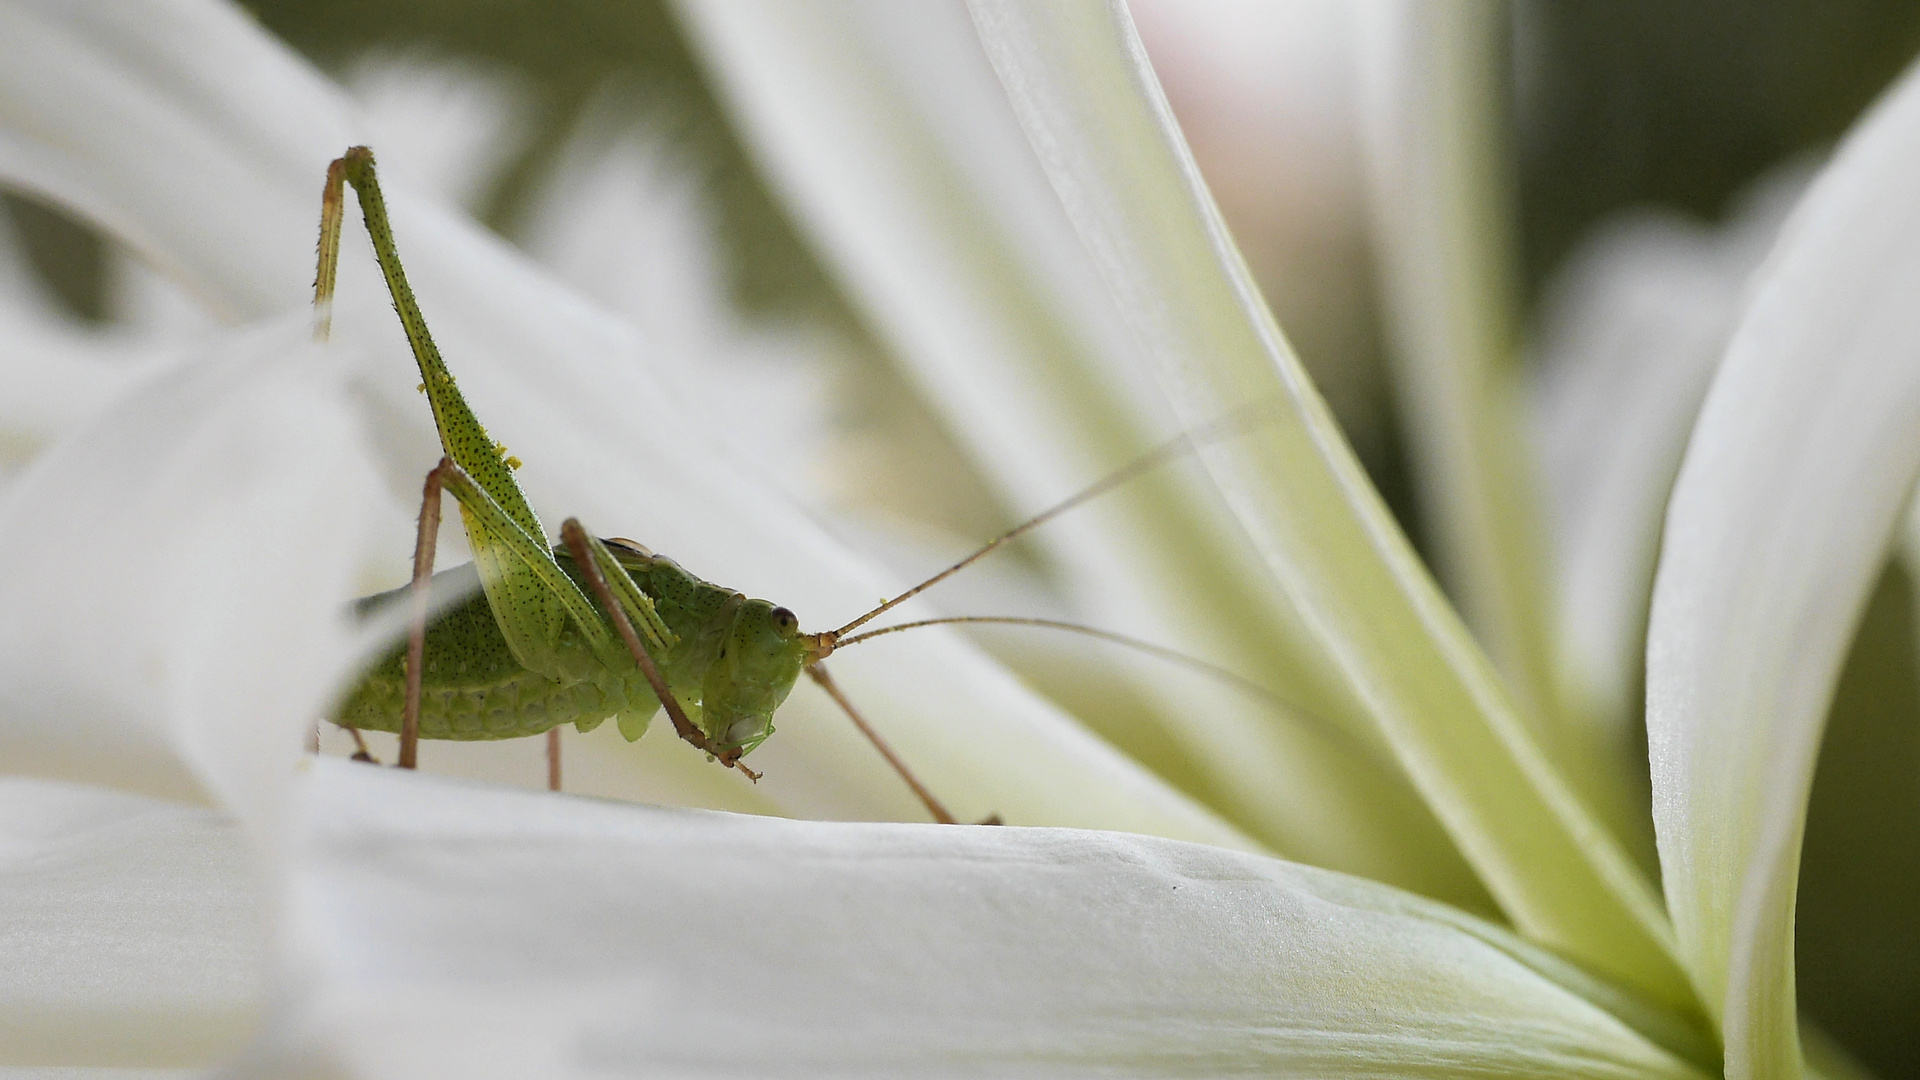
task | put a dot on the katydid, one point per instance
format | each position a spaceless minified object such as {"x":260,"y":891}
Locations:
{"x":589,"y":628}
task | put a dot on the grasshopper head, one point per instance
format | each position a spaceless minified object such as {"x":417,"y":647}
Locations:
{"x":752,"y":676}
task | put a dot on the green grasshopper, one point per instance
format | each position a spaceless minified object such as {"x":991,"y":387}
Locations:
{"x":529,"y":651}
{"x":590,"y":628}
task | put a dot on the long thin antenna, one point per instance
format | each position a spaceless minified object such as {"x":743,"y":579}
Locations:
{"x":1313,"y":721}
{"x":1179,"y":445}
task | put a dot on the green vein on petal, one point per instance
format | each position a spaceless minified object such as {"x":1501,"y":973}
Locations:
{"x":1077,"y":76}
{"x":885,"y":128}
{"x":556,"y":937}
{"x":1793,"y":483}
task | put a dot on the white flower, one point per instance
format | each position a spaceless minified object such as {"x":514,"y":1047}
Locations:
{"x":1046,"y":260}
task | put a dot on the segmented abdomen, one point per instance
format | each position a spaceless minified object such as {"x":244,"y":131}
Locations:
{"x":473,"y":688}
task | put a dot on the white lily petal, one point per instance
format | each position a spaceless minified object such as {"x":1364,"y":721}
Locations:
{"x":1431,"y":110}
{"x":557,"y":379}
{"x":145,"y":306}
{"x":177,"y":619}
{"x":885,"y":129}
{"x":186,"y":90}
{"x":1077,"y":75}
{"x":1633,"y":327}
{"x":452,"y":127}
{"x":627,"y":222}
{"x":1799,"y":465}
{"x":130,"y":936}
{"x":55,"y":370}
{"x":445,"y":929}
{"x":55,"y":376}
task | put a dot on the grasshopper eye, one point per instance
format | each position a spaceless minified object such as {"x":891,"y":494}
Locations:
{"x":785,"y":621}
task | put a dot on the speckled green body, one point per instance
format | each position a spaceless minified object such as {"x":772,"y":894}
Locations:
{"x":528,"y":650}
{"x":732,"y":663}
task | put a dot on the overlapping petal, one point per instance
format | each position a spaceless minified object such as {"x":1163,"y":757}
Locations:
{"x":198,"y":87}
{"x":597,"y":938}
{"x":176,"y":621}
{"x":1093,"y":112}
{"x":1632,"y":328}
{"x":885,"y":129}
{"x":141,"y":117}
{"x":1431,"y":110}
{"x":1798,"y":468}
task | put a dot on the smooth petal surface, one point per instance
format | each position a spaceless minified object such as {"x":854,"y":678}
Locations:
{"x":214,"y":119}
{"x":1633,"y":326}
{"x":1432,"y":109}
{"x":131,"y":935}
{"x":455,"y":930}
{"x":55,"y":371}
{"x":558,"y":380}
{"x":1800,"y":463}
{"x":176,"y":617}
{"x":1078,"y":79}
{"x":884,"y":127}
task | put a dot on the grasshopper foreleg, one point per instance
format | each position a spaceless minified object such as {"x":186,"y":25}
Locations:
{"x":591,"y":556}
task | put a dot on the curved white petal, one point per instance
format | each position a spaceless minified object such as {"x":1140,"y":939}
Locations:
{"x":446,"y":929}
{"x":185,"y":128}
{"x":451,"y":126}
{"x":55,"y":371}
{"x":1633,"y":327}
{"x":1442,"y":212}
{"x":1077,"y":77}
{"x":131,"y":933}
{"x":56,"y":375}
{"x":231,"y":139}
{"x":1798,"y":467}
{"x":628,"y":222}
{"x":176,"y":617}
{"x":883,"y":126}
